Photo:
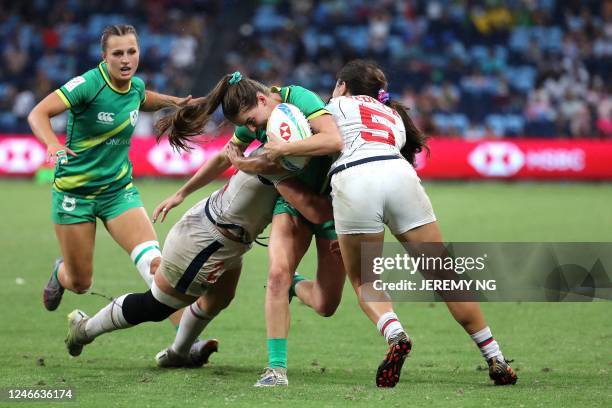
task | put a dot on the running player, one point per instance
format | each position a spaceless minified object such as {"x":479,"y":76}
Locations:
{"x":248,"y":104}
{"x":380,"y":144}
{"x":93,"y":175}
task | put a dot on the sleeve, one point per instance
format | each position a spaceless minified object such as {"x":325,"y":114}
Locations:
{"x":333,"y":107}
{"x":308,"y":102}
{"x":79,"y":90}
{"x":140,"y":87}
{"x":243,"y":136}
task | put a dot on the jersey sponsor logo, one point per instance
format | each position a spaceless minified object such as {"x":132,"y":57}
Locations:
{"x":106,"y":117}
{"x":167,"y":161}
{"x":497,"y":159}
{"x":73,"y":83}
{"x":20,"y":155}
{"x":69,"y":203}
{"x":134,"y":117}
{"x":129,"y":196}
{"x":285,"y":131}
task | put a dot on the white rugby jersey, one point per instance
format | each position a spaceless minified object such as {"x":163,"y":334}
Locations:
{"x":368,"y":128}
{"x":244,"y":205}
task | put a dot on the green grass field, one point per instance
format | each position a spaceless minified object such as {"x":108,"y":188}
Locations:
{"x":562,"y":352}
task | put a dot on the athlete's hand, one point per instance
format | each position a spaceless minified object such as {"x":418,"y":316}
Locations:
{"x":233,"y":154}
{"x":274,"y":147}
{"x":54,"y":149}
{"x":166,"y":205}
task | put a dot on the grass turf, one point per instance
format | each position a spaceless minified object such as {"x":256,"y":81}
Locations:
{"x":563,"y":352}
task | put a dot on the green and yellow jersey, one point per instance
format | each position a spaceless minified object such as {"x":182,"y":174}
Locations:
{"x":101,"y":120}
{"x":314,"y":175}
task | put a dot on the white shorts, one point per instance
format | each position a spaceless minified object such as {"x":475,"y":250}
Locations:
{"x":195,"y":254}
{"x":370,"y":195}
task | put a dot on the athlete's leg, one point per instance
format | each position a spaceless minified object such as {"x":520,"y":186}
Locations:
{"x":126,"y":311}
{"x":374,"y":303}
{"x":197,"y":316}
{"x":77,"y":246}
{"x":467,"y":314}
{"x":325,"y":292}
{"x":134,"y":232}
{"x":132,"y":228}
{"x":289,"y":240}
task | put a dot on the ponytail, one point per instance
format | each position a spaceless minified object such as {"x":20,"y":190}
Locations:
{"x":233,"y":93}
{"x":415,"y":139}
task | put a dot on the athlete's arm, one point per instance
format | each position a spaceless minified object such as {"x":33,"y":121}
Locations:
{"x":208,"y":172}
{"x":258,"y":164}
{"x":155,"y":101}
{"x":316,"y":208}
{"x":325,"y":140}
{"x":40,"y":122}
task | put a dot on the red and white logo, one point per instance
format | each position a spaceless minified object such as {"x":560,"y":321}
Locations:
{"x":167,"y":161}
{"x":497,"y":159}
{"x":21,"y":155}
{"x":285,"y":131}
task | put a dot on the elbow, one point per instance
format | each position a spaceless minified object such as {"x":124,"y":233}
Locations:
{"x":338,"y":145}
{"x":31,"y":118}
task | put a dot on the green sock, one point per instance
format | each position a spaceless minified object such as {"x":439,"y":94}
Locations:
{"x":277,"y":353}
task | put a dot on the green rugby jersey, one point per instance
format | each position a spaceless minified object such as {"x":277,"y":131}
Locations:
{"x":314,"y":175}
{"x":101,"y":120}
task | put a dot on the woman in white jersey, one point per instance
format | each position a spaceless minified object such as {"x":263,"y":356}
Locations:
{"x":374,"y":184}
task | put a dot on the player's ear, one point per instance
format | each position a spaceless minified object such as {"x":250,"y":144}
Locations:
{"x":261,"y":99}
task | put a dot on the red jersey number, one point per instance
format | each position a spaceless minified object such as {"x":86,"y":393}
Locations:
{"x":367,"y":115}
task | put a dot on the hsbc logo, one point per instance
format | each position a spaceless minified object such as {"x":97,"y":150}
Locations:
{"x":106,"y":117}
{"x":167,"y":161}
{"x":497,"y":159}
{"x":21,"y":155}
{"x":285,"y":131}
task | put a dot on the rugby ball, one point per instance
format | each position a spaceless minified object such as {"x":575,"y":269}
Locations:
{"x":289,"y":123}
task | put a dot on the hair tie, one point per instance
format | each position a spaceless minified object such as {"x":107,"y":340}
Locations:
{"x":236,"y":77}
{"x":383,"y":97}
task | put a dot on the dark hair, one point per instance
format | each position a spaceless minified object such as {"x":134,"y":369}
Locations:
{"x":118,"y":30}
{"x":366,"y":78}
{"x":188,"y":121}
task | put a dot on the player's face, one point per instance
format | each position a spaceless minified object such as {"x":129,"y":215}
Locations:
{"x":121,"y":56}
{"x":256,"y":117}
{"x":340,"y":89}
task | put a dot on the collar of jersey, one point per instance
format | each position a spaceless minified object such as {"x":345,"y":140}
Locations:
{"x":279,"y":90}
{"x":105,"y":75}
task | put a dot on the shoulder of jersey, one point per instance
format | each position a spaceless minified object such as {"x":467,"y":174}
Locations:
{"x":138,"y":83}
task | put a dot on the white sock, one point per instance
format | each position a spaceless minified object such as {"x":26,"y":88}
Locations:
{"x":142,"y":255}
{"x":389,"y":325}
{"x":486,"y":343}
{"x":192,"y":323}
{"x":108,"y":319}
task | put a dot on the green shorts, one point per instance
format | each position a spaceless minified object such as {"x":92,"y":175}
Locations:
{"x":326,"y":230}
{"x":67,"y":208}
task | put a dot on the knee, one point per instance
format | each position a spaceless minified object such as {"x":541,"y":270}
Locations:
{"x":327,"y":309}
{"x":154,"y":265}
{"x":80,"y":284}
{"x":279,"y":281}
{"x":212,"y":307}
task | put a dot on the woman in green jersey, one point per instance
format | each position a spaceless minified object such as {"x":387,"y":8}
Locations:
{"x":93,"y":175}
{"x":248,"y":104}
